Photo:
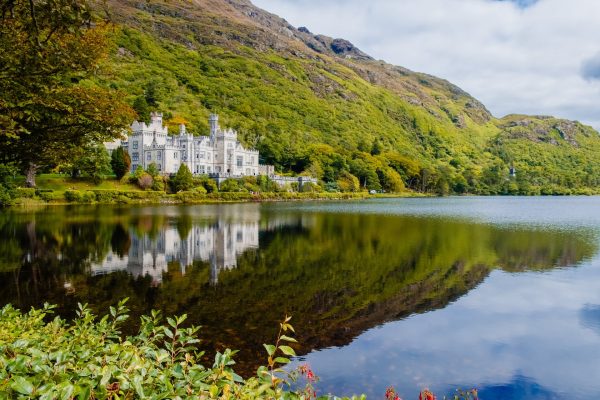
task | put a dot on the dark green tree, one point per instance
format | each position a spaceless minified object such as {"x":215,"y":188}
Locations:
{"x":151,"y":94}
{"x":141,"y":107}
{"x":377,"y":148}
{"x":120,"y":162}
{"x":183,"y":180}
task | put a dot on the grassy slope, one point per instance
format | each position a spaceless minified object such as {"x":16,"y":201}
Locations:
{"x":210,"y":56}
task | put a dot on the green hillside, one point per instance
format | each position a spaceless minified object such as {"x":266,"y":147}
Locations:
{"x":316,"y":105}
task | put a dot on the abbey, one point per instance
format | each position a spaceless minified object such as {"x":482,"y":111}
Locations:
{"x":219,"y":154}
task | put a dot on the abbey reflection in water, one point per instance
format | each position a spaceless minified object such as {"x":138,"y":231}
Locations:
{"x":219,"y":244}
{"x":236,"y":269}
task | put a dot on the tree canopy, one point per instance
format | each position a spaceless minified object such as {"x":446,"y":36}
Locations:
{"x":48,"y":108}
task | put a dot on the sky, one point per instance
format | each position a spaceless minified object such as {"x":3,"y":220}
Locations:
{"x":517,"y":56}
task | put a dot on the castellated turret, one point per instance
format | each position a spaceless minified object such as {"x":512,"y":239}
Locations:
{"x":213,"y":120}
{"x":156,"y":118}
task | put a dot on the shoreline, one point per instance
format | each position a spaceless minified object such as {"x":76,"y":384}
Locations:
{"x":43,"y":197}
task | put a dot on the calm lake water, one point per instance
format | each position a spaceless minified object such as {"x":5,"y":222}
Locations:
{"x":501,"y":294}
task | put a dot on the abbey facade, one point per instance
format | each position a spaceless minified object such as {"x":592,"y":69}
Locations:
{"x":220,"y":153}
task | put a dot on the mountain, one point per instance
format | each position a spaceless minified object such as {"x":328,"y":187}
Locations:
{"x":319,"y":105}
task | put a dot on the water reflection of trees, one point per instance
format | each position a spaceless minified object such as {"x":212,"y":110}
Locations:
{"x":337,"y":274}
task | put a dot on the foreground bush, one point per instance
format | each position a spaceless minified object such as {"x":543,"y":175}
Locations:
{"x":89,"y":359}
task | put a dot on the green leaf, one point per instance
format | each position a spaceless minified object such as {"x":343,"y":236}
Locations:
{"x":22,"y":385}
{"x":288,"y":339}
{"x":282,"y":360}
{"x":270,"y":349}
{"x":287,"y":350}
{"x":67,"y":392}
{"x":169,"y":333}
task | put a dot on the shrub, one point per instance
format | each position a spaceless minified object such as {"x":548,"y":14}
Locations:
{"x":89,"y":359}
{"x":27,"y":193}
{"x":158,"y":184}
{"x":137,"y":174}
{"x":309,"y":187}
{"x":231,"y":185}
{"x":49,"y":195}
{"x":78,"y":196}
{"x":209,"y":184}
{"x":6,"y":196}
{"x":199,"y":190}
{"x":145,"y":181}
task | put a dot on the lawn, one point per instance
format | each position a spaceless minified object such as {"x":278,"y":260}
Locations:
{"x":60,"y":183}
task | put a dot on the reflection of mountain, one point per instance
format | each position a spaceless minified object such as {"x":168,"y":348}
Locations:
{"x":338,"y":274}
{"x":219,"y":244}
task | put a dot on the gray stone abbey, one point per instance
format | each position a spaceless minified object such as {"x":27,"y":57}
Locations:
{"x":219,"y":153}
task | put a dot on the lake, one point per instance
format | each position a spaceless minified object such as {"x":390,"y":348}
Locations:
{"x":497,"y":293}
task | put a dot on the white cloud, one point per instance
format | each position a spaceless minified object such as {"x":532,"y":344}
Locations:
{"x":539,"y":59}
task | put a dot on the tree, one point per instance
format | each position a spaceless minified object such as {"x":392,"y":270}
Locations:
{"x":377,"y":148}
{"x":141,"y":107}
{"x":94,"y":163}
{"x":151,"y":94}
{"x":183,"y":180}
{"x":120,"y":162}
{"x":348,"y":182}
{"x":152,"y":170}
{"x":46,"y":48}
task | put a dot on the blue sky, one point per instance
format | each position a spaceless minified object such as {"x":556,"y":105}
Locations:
{"x":517,"y":56}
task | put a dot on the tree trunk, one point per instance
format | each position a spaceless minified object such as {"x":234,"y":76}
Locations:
{"x":30,"y":176}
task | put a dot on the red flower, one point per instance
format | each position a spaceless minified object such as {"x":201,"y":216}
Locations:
{"x":390,"y":394}
{"x":426,"y":395}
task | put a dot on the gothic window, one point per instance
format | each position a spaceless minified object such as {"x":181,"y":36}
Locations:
{"x":175,"y":155}
{"x":135,"y":156}
{"x":159,"y":156}
{"x":240,"y":161}
{"x":149,"y":156}
{"x":135,"y":144}
{"x":202,"y":154}
{"x":197,"y":156}
{"x":252,"y":160}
